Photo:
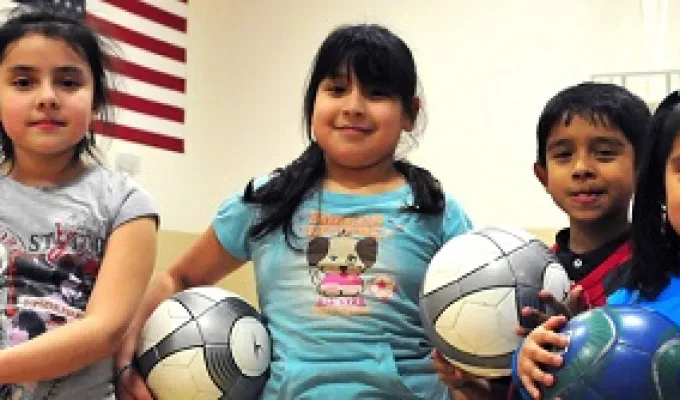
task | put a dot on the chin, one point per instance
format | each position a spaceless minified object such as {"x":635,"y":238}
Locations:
{"x":591,"y":217}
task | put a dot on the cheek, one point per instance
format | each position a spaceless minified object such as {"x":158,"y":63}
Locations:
{"x":80,"y":109}
{"x":319,"y":116}
{"x":673,"y":202}
{"x":391,"y":117}
{"x":556,"y":174}
{"x":13,"y":116}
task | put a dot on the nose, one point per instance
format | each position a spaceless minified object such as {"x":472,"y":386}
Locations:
{"x":583,"y":168}
{"x":47,"y":97}
{"x":355,"y":102}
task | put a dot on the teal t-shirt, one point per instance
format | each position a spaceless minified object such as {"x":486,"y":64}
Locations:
{"x":343,"y":309}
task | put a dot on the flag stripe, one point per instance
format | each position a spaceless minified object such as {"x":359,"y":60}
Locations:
{"x":136,"y":39}
{"x":172,"y":6}
{"x":137,"y":88}
{"x":150,"y":123}
{"x":145,"y":106}
{"x":140,"y":136}
{"x":148,"y":75}
{"x":151,"y":13}
{"x":137,"y":23}
{"x":150,"y":60}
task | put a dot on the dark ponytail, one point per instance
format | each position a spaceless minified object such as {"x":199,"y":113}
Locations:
{"x":288,"y":187}
{"x":428,"y":196}
{"x":283,"y":193}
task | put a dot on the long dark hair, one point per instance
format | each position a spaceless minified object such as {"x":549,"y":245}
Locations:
{"x":656,"y":244}
{"x":377,"y":57}
{"x":53,"y":23}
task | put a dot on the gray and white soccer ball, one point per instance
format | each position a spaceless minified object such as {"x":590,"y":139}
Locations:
{"x":474,"y":290}
{"x":205,"y":343}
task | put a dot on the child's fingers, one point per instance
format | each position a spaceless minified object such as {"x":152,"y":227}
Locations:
{"x":534,"y":315}
{"x":441,"y":364}
{"x":555,"y":322}
{"x":529,"y":372}
{"x":576,"y":301}
{"x":541,"y":318}
{"x":530,"y":387}
{"x":448,"y":373}
{"x":521,"y":331}
{"x":539,"y":355}
{"x":132,"y":386}
{"x":437,"y":356}
{"x":559,"y":307}
{"x":533,"y":354}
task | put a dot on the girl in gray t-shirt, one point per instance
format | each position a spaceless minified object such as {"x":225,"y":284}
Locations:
{"x":77,"y":241}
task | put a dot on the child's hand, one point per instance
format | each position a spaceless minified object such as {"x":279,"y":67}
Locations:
{"x":463,"y":383}
{"x":574,"y":305}
{"x":533,"y":354}
{"x":129,"y":384}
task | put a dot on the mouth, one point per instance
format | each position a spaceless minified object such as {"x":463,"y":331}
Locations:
{"x":47,"y":124}
{"x":354,"y":130}
{"x":587,"y":196}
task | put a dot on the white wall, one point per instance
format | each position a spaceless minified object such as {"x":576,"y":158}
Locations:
{"x":487,"y":67}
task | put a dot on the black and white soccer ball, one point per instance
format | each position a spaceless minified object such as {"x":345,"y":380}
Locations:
{"x":205,"y":343}
{"x":474,"y":290}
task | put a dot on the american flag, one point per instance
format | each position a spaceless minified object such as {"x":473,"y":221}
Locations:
{"x":150,"y":63}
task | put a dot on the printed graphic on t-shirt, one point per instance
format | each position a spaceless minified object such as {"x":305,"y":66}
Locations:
{"x":45,"y":280}
{"x":340,"y":252}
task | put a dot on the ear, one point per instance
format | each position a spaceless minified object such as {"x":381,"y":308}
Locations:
{"x":367,"y":249}
{"x":541,"y":174}
{"x":317,"y":250}
{"x":411,"y":115}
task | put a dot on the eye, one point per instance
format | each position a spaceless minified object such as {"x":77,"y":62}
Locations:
{"x":22,"y":82}
{"x":561,"y":155}
{"x":336,"y":89}
{"x":351,"y":258}
{"x":333,"y":257}
{"x":605,"y":154}
{"x":378,"y":93}
{"x":70,"y":83}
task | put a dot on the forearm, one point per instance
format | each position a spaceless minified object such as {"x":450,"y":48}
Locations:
{"x":161,"y":288}
{"x":59,"y":352}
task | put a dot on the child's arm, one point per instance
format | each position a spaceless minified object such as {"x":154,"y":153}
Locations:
{"x":533,"y":353}
{"x":204,"y":263}
{"x":125,"y":270}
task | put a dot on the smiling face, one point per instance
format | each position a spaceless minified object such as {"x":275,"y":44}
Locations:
{"x":589,"y":171}
{"x":46,"y":96}
{"x":357,"y":127}
{"x":672,"y":182}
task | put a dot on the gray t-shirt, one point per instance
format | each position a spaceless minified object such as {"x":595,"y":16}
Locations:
{"x":52,"y":242}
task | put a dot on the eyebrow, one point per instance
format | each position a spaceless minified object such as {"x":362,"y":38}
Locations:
{"x":606,"y":140}
{"x":64,"y":69}
{"x":557,"y":143}
{"x":612,"y":141}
